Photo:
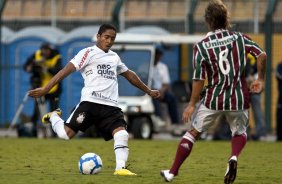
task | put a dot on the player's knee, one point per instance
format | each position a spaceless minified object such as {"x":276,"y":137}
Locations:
{"x":121,"y":139}
{"x":122,"y":134}
{"x":244,"y":134}
{"x":195,"y":133}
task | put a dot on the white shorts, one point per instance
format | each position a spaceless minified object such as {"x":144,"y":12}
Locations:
{"x":203,"y":118}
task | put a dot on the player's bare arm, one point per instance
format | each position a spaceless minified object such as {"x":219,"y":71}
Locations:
{"x":38,"y":92}
{"x":257,"y":86}
{"x":197,"y":88}
{"x":135,"y":80}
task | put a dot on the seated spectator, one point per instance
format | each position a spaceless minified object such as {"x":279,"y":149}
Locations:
{"x":161,"y":82}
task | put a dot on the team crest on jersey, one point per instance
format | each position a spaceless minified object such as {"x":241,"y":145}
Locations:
{"x":80,"y":117}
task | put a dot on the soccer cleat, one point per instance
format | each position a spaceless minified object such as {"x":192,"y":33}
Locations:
{"x":168,"y":177}
{"x":46,"y":117}
{"x":124,"y":172}
{"x":231,"y":170}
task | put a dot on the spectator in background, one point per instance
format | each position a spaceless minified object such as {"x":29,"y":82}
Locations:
{"x":43,"y":65}
{"x":252,"y":75}
{"x":161,"y":82}
{"x":278,"y":74}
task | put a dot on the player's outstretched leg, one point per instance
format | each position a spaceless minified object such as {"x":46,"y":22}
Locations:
{"x":183,"y":151}
{"x":231,"y":170}
{"x":121,"y":152}
{"x":57,"y":123}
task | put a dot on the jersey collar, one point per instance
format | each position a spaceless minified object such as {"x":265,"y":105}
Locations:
{"x":214,"y":32}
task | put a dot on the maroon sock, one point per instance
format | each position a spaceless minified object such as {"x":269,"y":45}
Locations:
{"x":238,"y":142}
{"x":183,"y":151}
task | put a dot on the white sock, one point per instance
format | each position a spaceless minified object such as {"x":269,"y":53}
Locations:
{"x":58,"y":126}
{"x":121,"y":148}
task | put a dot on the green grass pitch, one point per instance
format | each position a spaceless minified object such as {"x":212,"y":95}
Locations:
{"x":56,"y":161}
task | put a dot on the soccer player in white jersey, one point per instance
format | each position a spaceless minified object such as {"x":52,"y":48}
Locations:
{"x":220,"y":58}
{"x":99,"y":67}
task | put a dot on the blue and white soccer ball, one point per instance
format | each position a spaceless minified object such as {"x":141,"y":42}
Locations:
{"x":90,"y":163}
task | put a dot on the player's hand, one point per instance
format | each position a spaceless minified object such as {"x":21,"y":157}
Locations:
{"x":38,"y":92}
{"x":188,"y":112}
{"x":257,"y":86}
{"x":154,"y":93}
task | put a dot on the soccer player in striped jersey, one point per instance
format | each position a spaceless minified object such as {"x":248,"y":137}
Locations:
{"x":220,"y":58}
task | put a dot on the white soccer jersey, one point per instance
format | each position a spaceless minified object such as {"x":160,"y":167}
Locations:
{"x":99,"y":71}
{"x":160,"y":75}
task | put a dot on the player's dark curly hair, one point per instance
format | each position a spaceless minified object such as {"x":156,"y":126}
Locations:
{"x":217,"y":15}
{"x":105,"y":27}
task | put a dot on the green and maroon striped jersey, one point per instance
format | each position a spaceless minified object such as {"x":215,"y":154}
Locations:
{"x":221,"y":59}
